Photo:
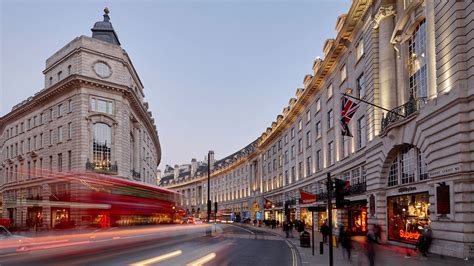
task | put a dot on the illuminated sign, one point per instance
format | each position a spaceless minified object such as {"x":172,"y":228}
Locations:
{"x":409,"y":235}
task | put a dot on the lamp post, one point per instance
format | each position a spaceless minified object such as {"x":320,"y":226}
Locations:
{"x":209,"y":190}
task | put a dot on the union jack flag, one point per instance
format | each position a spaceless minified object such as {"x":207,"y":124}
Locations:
{"x":348,"y":110}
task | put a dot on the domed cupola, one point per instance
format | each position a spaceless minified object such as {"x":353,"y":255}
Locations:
{"x":104,"y":31}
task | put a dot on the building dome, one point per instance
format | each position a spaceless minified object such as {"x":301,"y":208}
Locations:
{"x":104,"y":31}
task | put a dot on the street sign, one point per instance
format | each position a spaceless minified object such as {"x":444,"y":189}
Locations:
{"x":317,"y":209}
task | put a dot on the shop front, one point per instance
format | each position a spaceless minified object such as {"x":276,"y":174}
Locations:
{"x":34,"y":216}
{"x":306,"y":217}
{"x":60,"y":218}
{"x":407,"y":215}
{"x":357,"y":217}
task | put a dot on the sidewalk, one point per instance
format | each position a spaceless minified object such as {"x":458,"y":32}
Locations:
{"x":385,"y":254}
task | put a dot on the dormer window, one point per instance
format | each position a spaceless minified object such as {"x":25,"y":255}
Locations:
{"x":101,"y":106}
{"x":102,"y":69}
{"x":59,"y":75}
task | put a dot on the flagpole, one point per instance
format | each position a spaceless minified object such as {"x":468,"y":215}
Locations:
{"x":374,"y":105}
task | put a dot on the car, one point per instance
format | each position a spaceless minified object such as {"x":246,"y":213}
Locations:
{"x":10,"y":243}
{"x":5,"y":234}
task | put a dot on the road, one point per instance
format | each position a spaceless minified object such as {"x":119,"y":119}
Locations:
{"x":154,"y":245}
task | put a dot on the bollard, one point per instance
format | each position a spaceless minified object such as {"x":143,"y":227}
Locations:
{"x":321,"y":248}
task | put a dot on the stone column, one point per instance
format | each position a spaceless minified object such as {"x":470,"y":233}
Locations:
{"x":383,"y":21}
{"x":430,"y":50}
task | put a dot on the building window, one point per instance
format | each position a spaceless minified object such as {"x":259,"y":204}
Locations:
{"x":34,"y":143}
{"x":300,"y":125}
{"x":361,"y":86}
{"x":360,"y":49}
{"x":309,"y":166}
{"x":60,"y":110}
{"x":347,"y":146}
{"x":101,"y":106}
{"x":69,"y":132}
{"x":69,"y":70}
{"x":343,"y":73}
{"x":331,"y":153}
{"x":330,"y":119}
{"x":101,"y":146}
{"x":308,"y":139}
{"x":50,"y":164}
{"x":422,"y":166}
{"x":50,"y":137}
{"x":29,"y":144}
{"x":292,"y":176}
{"x":417,"y":62}
{"x":69,"y":105}
{"x":300,"y":145}
{"x":361,"y":132}
{"x":318,"y":105}
{"x":29,"y":124}
{"x":318,"y":130}
{"x":292,"y":151}
{"x":286,"y":139}
{"x":59,"y":75}
{"x":330,"y":91}
{"x":51,"y":114}
{"x":407,"y":162}
{"x":286,"y":157}
{"x":60,"y":134}
{"x":393,"y":174}
{"x":41,"y":141}
{"x":308,"y":116}
{"x":60,"y":162}
{"x":69,"y":160}
{"x":300,"y":171}
{"x":318,"y":161}
{"x":355,"y":176}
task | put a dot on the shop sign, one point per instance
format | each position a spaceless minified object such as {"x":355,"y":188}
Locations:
{"x":406,"y":189}
{"x":444,"y":171}
{"x":409,"y":235}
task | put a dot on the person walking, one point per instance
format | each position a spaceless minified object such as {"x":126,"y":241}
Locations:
{"x":424,"y":242}
{"x":371,"y":242}
{"x":346,"y":243}
{"x":325,"y":232}
{"x":290,"y":228}
{"x":286,"y":229}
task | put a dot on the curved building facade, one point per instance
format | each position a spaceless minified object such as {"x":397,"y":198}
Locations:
{"x":409,"y":163}
{"x":90,"y":116}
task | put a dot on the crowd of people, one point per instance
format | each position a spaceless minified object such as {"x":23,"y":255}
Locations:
{"x":344,"y":238}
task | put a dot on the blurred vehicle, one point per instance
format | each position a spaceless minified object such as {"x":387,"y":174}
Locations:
{"x":5,"y":222}
{"x":5,"y":234}
{"x":191,"y":220}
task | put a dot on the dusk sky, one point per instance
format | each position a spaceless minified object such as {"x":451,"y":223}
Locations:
{"x":216,"y":73}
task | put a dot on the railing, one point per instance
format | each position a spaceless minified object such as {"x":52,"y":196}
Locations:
{"x":402,"y":111}
{"x":102,"y":167}
{"x":357,"y":188}
{"x":135,"y":175}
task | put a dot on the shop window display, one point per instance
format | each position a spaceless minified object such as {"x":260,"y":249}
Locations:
{"x":407,"y":216}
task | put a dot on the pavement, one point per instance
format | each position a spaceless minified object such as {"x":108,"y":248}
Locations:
{"x":385,"y":254}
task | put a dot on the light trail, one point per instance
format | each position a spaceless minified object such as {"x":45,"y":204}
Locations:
{"x":158,"y":259}
{"x":23,"y":249}
{"x":202,"y":260}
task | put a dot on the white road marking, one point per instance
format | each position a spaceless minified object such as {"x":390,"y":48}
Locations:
{"x":157,"y":259}
{"x":245,"y":229}
{"x":202,"y":260}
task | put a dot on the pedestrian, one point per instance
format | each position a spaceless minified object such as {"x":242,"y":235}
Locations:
{"x":290,"y":228}
{"x":286,"y":229}
{"x":371,"y":242}
{"x":378,"y":233}
{"x":340,"y":236}
{"x":325,"y":232}
{"x":346,"y":243}
{"x":424,"y":242}
{"x":273,"y":223}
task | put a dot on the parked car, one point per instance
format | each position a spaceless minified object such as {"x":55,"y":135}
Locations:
{"x":191,"y":220}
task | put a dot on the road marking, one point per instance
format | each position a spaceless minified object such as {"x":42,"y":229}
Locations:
{"x":244,"y":229}
{"x":293,"y":253}
{"x":157,"y":259}
{"x":202,"y":260}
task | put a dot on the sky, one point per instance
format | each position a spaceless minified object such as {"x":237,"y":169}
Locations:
{"x":216,"y":73}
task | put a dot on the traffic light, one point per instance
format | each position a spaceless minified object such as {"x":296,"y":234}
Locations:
{"x":342,"y":189}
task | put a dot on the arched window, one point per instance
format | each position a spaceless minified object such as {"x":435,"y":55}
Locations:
{"x":102,"y":145}
{"x":407,"y":167}
{"x":417,"y":62}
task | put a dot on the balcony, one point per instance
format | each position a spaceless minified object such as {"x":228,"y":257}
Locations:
{"x":135,"y":175}
{"x":403,"y":111}
{"x":102,"y":167}
{"x":358,"y":188}
{"x":60,"y":197}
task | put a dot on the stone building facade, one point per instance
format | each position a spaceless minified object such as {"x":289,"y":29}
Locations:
{"x":409,"y":163}
{"x":91,"y":116}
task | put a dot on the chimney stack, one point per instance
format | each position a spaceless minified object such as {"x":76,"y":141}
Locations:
{"x":193,"y":166}
{"x":176,"y":171}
